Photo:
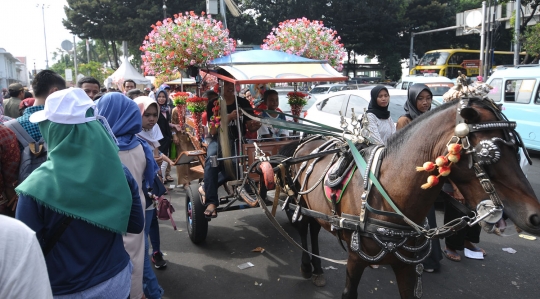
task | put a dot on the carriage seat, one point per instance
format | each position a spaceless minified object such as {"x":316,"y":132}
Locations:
{"x":344,"y":164}
{"x":269,"y":149}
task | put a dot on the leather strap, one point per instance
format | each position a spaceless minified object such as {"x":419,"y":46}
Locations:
{"x":280,"y":229}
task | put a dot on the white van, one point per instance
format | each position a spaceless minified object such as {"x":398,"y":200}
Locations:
{"x":438,"y":84}
{"x":517,"y":88}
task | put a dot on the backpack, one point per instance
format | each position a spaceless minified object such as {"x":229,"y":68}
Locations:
{"x":33,"y":153}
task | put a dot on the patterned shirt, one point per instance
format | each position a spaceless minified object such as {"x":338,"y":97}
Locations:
{"x":31,"y":128}
{"x":10,"y":157}
{"x":380,"y":129}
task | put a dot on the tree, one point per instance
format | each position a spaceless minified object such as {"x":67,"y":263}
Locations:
{"x":528,"y":34}
{"x":96,"y":69}
{"x":112,"y":21}
{"x":531,"y":43}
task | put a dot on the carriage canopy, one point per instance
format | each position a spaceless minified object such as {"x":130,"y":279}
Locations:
{"x":265,"y":66}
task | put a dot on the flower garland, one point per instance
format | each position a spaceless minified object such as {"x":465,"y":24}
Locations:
{"x":297,"y":98}
{"x":180,"y":98}
{"x":196,"y":104}
{"x":308,"y":39}
{"x":215,"y":120}
{"x":442,"y":163}
{"x":184,"y":41}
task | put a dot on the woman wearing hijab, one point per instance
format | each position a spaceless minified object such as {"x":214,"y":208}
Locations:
{"x":418,"y":102}
{"x":381,"y":125}
{"x":151,"y":134}
{"x":163,"y":122}
{"x":125,"y":120}
{"x":79,"y":211}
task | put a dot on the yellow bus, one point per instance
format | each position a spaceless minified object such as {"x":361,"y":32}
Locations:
{"x":447,"y":62}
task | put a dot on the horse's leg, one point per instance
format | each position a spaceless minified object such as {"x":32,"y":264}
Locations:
{"x":406,"y":279}
{"x":305,"y":267}
{"x":318,"y":273}
{"x":355,"y":269}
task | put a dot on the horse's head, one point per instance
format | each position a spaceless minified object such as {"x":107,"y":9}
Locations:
{"x":491,"y":163}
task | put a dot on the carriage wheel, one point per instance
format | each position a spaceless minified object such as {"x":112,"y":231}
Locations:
{"x":197,"y":225}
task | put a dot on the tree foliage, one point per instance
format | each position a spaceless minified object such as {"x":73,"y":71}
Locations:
{"x":379,"y":28}
{"x":112,"y":21}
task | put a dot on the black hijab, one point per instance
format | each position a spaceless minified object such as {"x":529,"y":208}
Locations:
{"x":410,"y":106}
{"x":380,"y":112}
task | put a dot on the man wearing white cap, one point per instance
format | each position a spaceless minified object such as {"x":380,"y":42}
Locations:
{"x":79,"y":203}
{"x":33,"y":150}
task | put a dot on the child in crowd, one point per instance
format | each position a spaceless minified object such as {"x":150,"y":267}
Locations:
{"x":271,"y":101}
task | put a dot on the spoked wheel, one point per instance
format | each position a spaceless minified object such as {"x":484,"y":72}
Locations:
{"x":197,"y":225}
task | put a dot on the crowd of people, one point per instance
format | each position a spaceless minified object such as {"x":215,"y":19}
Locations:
{"x":54,"y":182}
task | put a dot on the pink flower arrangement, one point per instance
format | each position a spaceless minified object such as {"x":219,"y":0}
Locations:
{"x":308,"y":39}
{"x":187,"y":40}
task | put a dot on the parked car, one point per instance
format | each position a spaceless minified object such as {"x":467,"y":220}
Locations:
{"x":518,"y":89}
{"x":328,"y":88}
{"x":326,"y":110}
{"x":439,"y":85}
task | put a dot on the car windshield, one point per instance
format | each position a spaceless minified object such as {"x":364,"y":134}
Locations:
{"x":435,"y":58}
{"x":316,"y":90}
{"x":439,"y":89}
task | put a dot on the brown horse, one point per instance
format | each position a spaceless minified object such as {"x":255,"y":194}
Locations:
{"x":422,"y":140}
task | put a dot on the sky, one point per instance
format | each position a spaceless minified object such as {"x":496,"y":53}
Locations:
{"x":21,"y":29}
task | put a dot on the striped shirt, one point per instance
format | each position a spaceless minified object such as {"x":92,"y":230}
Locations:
{"x":380,"y":129}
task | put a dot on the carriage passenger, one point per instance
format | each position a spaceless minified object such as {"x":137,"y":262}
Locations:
{"x":381,"y":125}
{"x":271,"y":100}
{"x":418,"y":102}
{"x":221,"y":141}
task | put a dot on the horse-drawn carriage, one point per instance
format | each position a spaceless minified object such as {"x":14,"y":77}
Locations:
{"x":370,"y":196}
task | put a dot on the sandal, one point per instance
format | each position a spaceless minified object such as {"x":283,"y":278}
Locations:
{"x":210,"y":213}
{"x":451,"y":255}
{"x":169,"y":179}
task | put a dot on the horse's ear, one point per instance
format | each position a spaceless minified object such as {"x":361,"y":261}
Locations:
{"x":470,"y":114}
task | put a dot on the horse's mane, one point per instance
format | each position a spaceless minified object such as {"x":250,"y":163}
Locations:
{"x":396,"y":141}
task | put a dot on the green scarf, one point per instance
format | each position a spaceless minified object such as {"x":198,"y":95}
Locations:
{"x":83,"y":177}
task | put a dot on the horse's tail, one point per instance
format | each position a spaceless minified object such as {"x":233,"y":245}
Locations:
{"x":289,"y":149}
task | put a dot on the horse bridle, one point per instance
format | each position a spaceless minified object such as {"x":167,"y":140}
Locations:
{"x":486,"y":152}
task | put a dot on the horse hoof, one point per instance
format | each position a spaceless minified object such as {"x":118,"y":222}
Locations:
{"x":305,"y":274}
{"x":318,"y":280}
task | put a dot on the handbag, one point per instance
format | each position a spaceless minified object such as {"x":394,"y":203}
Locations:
{"x":165,"y":210}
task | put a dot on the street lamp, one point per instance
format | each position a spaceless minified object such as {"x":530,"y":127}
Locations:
{"x":164,"y":10}
{"x":44,"y":34}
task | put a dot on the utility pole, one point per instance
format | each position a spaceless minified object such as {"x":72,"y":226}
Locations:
{"x":411,"y":66}
{"x":488,"y":38}
{"x":75,"y":59}
{"x":482,"y":40}
{"x":45,"y":35}
{"x":164,"y":10}
{"x":87,"y":51}
{"x":517,"y":31}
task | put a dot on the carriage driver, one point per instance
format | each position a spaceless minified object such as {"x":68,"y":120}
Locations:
{"x":221,"y":142}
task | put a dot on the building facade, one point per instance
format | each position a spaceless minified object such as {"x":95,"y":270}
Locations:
{"x":12,"y":70}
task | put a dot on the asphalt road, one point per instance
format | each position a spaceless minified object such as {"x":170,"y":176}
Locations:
{"x":210,"y":270}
